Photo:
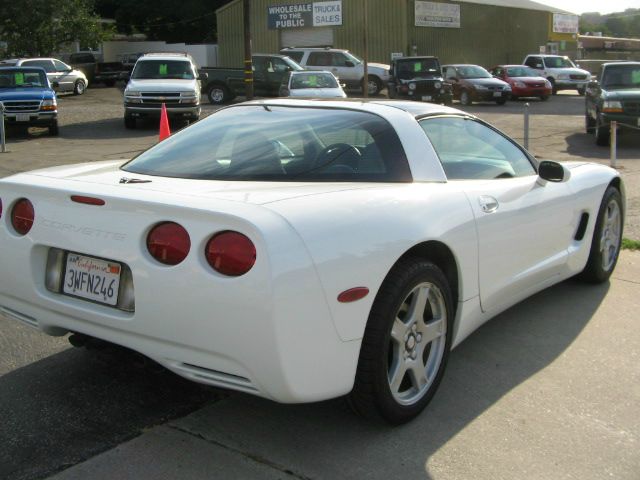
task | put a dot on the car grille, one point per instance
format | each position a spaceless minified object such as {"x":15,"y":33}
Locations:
{"x":21,"y":106}
{"x":160,"y":97}
{"x":426,"y":87}
{"x":535,"y":85}
{"x":578,"y":76}
{"x":495,"y":88}
{"x":632,"y":108}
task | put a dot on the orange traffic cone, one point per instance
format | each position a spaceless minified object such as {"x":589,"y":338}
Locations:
{"x":164,"y":124}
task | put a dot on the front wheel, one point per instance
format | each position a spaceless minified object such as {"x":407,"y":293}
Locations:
{"x":602,"y":134}
{"x":374,"y":85}
{"x":589,"y":123}
{"x":53,"y":129}
{"x":501,"y":101}
{"x":554,"y":90}
{"x":465,"y":98}
{"x":607,"y":238}
{"x":581,"y":91}
{"x":406,"y":343}
{"x":79,"y":87}
{"x":544,"y":98}
{"x":129,"y":122}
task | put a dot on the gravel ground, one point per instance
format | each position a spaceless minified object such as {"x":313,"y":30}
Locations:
{"x":92,"y":128}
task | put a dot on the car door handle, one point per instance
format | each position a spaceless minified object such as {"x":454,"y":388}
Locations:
{"x":488,"y":204}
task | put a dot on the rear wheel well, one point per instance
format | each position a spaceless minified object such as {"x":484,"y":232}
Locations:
{"x":442,"y":257}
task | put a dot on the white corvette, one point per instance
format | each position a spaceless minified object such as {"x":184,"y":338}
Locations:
{"x":304,"y":250}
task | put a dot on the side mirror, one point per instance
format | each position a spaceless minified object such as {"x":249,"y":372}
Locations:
{"x":553,"y":171}
{"x":349,"y":63}
{"x":55,"y":84}
{"x":203,"y":76}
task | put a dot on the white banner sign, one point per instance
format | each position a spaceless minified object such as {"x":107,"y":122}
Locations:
{"x":565,"y":23}
{"x":327,"y":13}
{"x":431,"y":14}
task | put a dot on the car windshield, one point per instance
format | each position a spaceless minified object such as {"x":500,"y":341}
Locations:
{"x":558,"y":62}
{"x":163,"y":69}
{"x":521,"y":72}
{"x":473,"y":71}
{"x":280,"y":143}
{"x":425,"y":67}
{"x":22,"y":79}
{"x":313,"y":80}
{"x":622,"y":76}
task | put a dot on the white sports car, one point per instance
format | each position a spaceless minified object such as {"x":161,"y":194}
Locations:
{"x":304,"y":250}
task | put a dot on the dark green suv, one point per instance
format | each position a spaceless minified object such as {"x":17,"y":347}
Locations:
{"x":614,"y":95}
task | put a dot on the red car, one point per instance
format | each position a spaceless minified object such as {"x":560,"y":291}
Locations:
{"x":524,"y":81}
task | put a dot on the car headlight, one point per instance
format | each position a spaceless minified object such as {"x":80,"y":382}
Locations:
{"x":132,"y":96}
{"x":412,"y":86}
{"x":612,"y":106}
{"x":437,"y":85}
{"x":188,"y":97}
{"x":547,"y":83}
{"x":520,"y":84}
{"x":49,"y":104}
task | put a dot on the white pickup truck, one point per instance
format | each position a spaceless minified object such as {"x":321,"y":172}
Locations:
{"x":343,"y":64}
{"x":157,"y":78}
{"x":560,"y":71}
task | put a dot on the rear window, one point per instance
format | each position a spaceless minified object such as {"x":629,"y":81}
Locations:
{"x":163,"y":69}
{"x":276,"y":143}
{"x":408,"y":69}
{"x":313,"y":80}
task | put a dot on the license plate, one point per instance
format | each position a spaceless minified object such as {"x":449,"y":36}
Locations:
{"x":497,"y":94}
{"x":92,"y":278}
{"x":426,"y":98}
{"x":22,"y":117}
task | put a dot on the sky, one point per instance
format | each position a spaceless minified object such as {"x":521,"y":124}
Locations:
{"x":582,"y":6}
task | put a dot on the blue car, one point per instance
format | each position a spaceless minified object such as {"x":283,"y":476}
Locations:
{"x":28,"y":98}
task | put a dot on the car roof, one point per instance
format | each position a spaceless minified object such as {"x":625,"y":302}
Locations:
{"x":620,"y":63}
{"x":462,"y":65}
{"x":278,"y":55}
{"x":167,"y":56}
{"x":314,"y":72}
{"x":316,"y":49}
{"x":26,"y":69}
{"x":415,"y":109}
{"x":416,"y":57}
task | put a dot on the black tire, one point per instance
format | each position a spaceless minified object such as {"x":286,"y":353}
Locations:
{"x":581,"y":91}
{"x":595,"y":270}
{"x":544,"y":98}
{"x":219,"y":95}
{"x":53,"y":129}
{"x":554,"y":90}
{"x":372,"y":396}
{"x":501,"y":101}
{"x":374,"y":84}
{"x":602,"y":134}
{"x":465,"y":98}
{"x":79,"y":88}
{"x":448,"y":100}
{"x":109,"y":83}
{"x":589,"y":123}
{"x":129,"y":122}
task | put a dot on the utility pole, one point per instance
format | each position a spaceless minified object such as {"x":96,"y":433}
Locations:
{"x":365,"y":79}
{"x":248,"y":65}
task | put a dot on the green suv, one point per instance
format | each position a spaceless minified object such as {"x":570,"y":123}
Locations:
{"x":614,"y":95}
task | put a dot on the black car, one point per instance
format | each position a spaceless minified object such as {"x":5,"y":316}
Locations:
{"x":472,"y":83}
{"x":418,"y":78}
{"x":614,"y":95}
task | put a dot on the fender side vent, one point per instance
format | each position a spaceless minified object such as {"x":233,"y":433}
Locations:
{"x":582,"y":226}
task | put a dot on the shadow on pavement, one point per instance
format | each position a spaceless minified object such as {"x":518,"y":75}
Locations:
{"x":70,"y":406}
{"x":584,"y":145}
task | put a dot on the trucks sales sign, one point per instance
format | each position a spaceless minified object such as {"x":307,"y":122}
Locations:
{"x":442,"y":15}
{"x":303,"y":15}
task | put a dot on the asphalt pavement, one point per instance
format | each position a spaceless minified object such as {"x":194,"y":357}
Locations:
{"x":549,"y":389}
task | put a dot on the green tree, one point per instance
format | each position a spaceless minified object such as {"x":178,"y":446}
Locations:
{"x":41,"y":27}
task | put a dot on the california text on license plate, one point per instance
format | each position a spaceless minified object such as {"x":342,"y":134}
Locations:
{"x":92,"y":278}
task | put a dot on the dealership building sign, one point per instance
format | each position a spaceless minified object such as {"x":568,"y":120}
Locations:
{"x":565,"y":23}
{"x":304,"y":15}
{"x":432,"y":14}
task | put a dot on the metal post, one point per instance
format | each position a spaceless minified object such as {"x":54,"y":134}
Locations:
{"x":526,"y":126}
{"x":365,"y":79}
{"x":248,"y":64}
{"x":613,"y":141}
{"x":3,"y":145}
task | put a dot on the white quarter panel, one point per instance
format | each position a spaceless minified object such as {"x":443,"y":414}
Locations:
{"x":355,"y":237}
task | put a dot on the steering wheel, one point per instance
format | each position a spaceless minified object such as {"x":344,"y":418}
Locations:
{"x":338,"y":154}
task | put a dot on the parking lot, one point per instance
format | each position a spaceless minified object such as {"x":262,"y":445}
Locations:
{"x":548,"y":389}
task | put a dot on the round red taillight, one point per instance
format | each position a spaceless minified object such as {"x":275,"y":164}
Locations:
{"x":22,"y":216}
{"x":230,"y":253}
{"x":168,"y":243}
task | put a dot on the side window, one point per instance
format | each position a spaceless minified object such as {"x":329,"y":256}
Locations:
{"x":478,"y":152}
{"x":46,"y":64}
{"x":497,"y":72}
{"x":296,"y":56}
{"x":319,"y":59}
{"x":532,"y":61}
{"x":60,"y":67}
{"x":338,"y":59}
{"x":279,"y":66}
{"x":451,"y":72}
